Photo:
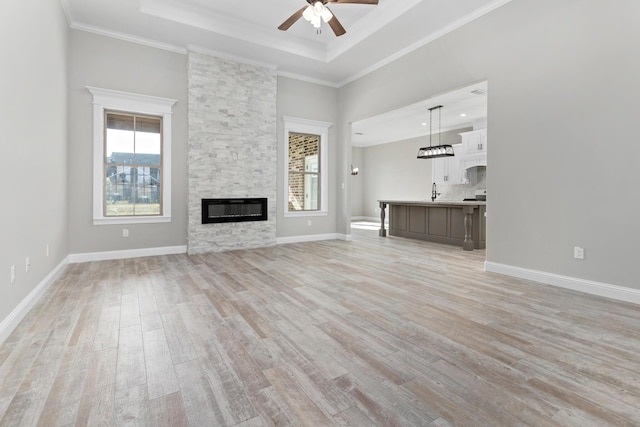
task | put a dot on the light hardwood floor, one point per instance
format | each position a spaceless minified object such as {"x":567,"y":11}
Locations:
{"x":374,"y":332}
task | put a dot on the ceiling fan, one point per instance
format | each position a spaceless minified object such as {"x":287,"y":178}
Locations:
{"x":317,"y":11}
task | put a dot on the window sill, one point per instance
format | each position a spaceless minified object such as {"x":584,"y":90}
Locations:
{"x":132,"y":220}
{"x":305,"y":213}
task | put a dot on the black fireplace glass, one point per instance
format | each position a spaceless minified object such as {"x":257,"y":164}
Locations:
{"x":234,"y":210}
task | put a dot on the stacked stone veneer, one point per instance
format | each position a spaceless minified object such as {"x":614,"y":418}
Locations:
{"x":232,"y":149}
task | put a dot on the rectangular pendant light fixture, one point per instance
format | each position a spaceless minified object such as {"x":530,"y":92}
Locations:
{"x":435,"y":151}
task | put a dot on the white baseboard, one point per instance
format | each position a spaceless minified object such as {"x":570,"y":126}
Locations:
{"x":130,"y":253}
{"x":606,"y":290}
{"x":15,"y":317}
{"x":312,"y":238}
{"x":368,"y":219}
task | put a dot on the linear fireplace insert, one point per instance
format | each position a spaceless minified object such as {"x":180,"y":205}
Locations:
{"x":233,"y":210}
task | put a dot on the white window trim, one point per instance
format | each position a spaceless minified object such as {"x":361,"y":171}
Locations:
{"x":313,"y":127}
{"x":113,"y":100}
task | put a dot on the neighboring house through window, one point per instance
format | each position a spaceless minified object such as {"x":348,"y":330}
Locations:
{"x":306,"y":143}
{"x":132,"y":158}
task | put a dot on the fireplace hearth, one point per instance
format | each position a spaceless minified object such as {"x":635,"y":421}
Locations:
{"x":233,"y":210}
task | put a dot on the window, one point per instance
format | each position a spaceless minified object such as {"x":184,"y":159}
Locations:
{"x":304,"y":150}
{"x":132,"y":158}
{"x":133,"y":165}
{"x":305,"y":162}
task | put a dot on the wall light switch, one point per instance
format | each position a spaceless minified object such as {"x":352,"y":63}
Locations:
{"x":13,"y":274}
{"x":27,"y":265}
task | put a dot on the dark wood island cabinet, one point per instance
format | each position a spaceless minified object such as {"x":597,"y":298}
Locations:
{"x":455,"y":223}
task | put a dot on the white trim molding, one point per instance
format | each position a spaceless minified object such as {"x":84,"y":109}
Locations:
{"x":17,"y":314}
{"x":312,"y":127}
{"x":107,"y":99}
{"x":126,"y":254}
{"x":369,"y":219}
{"x":606,"y":290}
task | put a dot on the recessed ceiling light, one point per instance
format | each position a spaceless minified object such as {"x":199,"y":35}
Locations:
{"x":423,"y":124}
{"x":463,"y":115}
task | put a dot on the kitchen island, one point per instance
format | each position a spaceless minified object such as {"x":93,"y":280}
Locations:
{"x":451,"y":222}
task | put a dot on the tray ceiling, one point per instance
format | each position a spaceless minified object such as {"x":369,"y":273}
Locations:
{"x":246,"y":30}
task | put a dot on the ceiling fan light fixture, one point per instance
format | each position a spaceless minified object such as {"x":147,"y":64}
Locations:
{"x":326,"y":15}
{"x":308,"y":13}
{"x":316,"y":11}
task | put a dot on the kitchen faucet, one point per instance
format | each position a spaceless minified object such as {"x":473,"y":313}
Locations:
{"x":434,"y":194}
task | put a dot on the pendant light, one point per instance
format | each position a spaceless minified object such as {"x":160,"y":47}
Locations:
{"x":435,"y":151}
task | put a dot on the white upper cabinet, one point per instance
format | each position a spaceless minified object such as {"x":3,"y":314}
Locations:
{"x":448,"y":170}
{"x":475,"y":149}
{"x":472,"y":152}
{"x":475,"y":141}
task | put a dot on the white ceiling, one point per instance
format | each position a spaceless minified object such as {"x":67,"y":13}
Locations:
{"x":461,"y":108}
{"x":246,"y":30}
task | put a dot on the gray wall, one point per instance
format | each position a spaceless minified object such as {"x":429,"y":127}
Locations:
{"x":114,"y":64}
{"x":33,"y":125}
{"x":392,"y":171}
{"x":563,"y":93}
{"x":315,"y":102}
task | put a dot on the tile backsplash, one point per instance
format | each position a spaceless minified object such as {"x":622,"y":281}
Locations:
{"x":458,"y":192}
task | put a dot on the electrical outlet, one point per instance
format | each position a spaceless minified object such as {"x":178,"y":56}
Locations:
{"x":578,"y":252}
{"x":13,"y":274}
{"x":309,"y":223}
{"x":27,"y":265}
{"x":125,"y":232}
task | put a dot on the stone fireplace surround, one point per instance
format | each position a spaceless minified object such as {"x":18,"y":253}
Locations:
{"x":232,"y":149}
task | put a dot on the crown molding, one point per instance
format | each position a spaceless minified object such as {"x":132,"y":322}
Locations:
{"x":426,"y":40}
{"x":169,"y":9}
{"x":129,"y":38}
{"x":368,"y":25}
{"x":66,"y":9}
{"x":200,"y":17}
{"x":307,"y":79}
{"x":235,"y":58}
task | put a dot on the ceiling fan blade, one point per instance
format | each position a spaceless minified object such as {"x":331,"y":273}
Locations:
{"x":336,"y":26}
{"x":354,"y":1}
{"x":292,"y":19}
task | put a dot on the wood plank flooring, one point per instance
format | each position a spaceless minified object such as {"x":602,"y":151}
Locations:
{"x":373,"y":332}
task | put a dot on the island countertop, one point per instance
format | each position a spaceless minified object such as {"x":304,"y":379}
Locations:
{"x":428,"y":202}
